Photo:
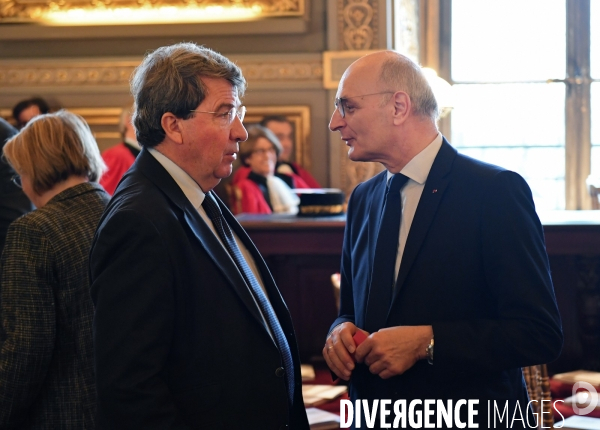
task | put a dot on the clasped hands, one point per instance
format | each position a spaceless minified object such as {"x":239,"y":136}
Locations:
{"x":387,"y":352}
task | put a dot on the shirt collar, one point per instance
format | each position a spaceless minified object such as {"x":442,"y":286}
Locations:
{"x":189,"y":187}
{"x":418,"y":168}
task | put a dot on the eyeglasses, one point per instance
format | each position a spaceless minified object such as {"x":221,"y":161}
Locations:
{"x":340,"y":102}
{"x":17,"y":181}
{"x":227,"y":118}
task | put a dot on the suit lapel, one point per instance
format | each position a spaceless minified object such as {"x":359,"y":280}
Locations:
{"x":375,"y":213}
{"x":435,"y":186}
{"x":222,"y":260}
{"x":274,"y":295}
{"x":156,"y":173}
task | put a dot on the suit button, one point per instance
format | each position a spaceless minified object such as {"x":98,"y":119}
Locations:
{"x":280,"y":372}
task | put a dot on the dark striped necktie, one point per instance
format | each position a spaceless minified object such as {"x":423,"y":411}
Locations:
{"x":386,"y":251}
{"x":214,"y":212}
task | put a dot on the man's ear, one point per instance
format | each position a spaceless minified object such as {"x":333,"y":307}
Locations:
{"x":172,"y":127}
{"x":402,"y":106}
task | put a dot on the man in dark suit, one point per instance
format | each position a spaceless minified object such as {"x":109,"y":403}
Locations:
{"x":461,"y":298}
{"x":190,"y":330}
{"x":13,"y":202}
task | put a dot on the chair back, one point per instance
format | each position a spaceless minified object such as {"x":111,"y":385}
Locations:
{"x":538,"y":388}
{"x":235,"y":198}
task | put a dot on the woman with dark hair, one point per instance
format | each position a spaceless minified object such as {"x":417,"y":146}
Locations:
{"x":261,"y":191}
{"x":27,"y":109}
{"x":46,"y":353}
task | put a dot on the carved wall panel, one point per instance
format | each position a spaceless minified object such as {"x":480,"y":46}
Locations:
{"x":357,"y":24}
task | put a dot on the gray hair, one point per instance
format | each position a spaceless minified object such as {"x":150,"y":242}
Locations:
{"x":169,"y":80}
{"x":402,"y":74}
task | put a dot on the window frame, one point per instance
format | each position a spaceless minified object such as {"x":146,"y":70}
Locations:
{"x":436,"y":53}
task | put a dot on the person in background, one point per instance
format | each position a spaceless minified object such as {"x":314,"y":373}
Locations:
{"x":25,"y":110}
{"x":13,"y":202}
{"x":46,"y":351}
{"x":190,"y":329}
{"x":120,"y":157}
{"x":284,"y":130}
{"x":438,"y":244}
{"x":261,"y":191}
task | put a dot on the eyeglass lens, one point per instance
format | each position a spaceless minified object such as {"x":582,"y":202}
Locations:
{"x":241,"y":113}
{"x":17,"y":181}
{"x":339,"y":104}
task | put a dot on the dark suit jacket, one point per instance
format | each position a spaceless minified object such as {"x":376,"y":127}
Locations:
{"x":474,"y":267}
{"x":179,"y":340}
{"x":13,"y":202}
{"x":46,"y":358}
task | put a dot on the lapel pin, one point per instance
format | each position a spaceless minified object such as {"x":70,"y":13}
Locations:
{"x":434,"y":190}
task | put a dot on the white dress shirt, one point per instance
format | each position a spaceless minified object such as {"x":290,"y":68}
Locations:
{"x":196,"y":196}
{"x":417,"y":171}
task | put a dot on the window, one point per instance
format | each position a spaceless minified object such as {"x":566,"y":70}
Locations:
{"x":521,"y":76}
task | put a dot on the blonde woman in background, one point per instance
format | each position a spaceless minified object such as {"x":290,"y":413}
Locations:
{"x":46,"y":356}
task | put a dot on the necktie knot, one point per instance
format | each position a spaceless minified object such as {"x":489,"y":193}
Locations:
{"x":211,"y":207}
{"x":397,"y":182}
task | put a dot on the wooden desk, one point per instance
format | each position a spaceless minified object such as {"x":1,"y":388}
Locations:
{"x":303,"y":253}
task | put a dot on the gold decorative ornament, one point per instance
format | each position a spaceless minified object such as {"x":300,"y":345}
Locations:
{"x":111,"y":12}
{"x":97,"y":74}
{"x":357,"y":24}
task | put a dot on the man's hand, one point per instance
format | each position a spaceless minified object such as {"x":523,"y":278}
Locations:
{"x":392,"y":351}
{"x":339,"y":350}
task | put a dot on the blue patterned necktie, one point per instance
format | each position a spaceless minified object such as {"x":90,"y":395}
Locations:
{"x":386,"y":251}
{"x":214,"y":212}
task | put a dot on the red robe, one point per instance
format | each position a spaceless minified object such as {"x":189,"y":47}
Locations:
{"x":247,"y":197}
{"x":118,"y":159}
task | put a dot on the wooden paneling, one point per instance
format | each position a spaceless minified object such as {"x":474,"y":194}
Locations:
{"x":303,"y":253}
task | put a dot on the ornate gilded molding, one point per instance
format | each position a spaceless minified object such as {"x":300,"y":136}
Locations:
{"x":83,"y":11}
{"x":358,"y":24}
{"x":62,"y":74}
{"x":282,"y":71}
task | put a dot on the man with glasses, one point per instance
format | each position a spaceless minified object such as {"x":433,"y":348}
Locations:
{"x":444,"y":267}
{"x":190,"y":330}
